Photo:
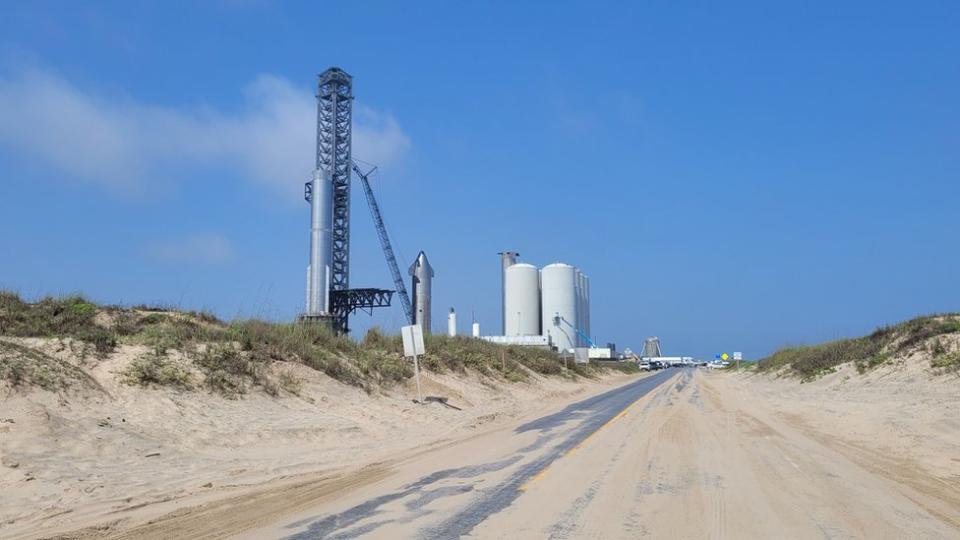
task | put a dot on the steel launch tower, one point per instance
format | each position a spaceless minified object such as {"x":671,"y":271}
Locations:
{"x":334,"y":130}
{"x":329,"y":296}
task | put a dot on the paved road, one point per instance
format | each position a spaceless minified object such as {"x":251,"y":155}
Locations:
{"x":452,"y":492}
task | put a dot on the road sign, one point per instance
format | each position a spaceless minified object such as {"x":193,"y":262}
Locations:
{"x":738,"y":356}
{"x":412,"y":340}
{"x":413,"y":346}
{"x":724,"y":356}
{"x":581,"y":355}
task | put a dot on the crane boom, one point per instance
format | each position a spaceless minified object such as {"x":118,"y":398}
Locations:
{"x":385,"y":243}
{"x":580,"y":333}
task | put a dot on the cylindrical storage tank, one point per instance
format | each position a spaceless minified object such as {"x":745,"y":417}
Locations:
{"x":580,"y":318}
{"x":452,"y":323}
{"x":522,"y":300}
{"x":586,"y":305}
{"x":476,"y":329}
{"x":558,"y":296}
{"x":507,"y":259}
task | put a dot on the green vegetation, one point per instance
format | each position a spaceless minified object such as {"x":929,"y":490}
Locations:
{"x":947,"y":362}
{"x":22,"y":367}
{"x":868,"y":352}
{"x":744,"y":365}
{"x":865,"y":365}
{"x":188,"y":350}
{"x":71,"y":316}
{"x":153,"y":368}
{"x":626,"y":367}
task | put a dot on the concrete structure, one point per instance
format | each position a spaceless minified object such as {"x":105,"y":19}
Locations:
{"x":523,"y":341}
{"x":601,"y":353}
{"x":558,"y":287}
{"x":452,"y":323}
{"x":522,"y":300}
{"x":422,"y":276}
{"x":651,"y":348}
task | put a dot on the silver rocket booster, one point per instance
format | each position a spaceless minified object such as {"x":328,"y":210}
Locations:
{"x":422,"y":274}
{"x":321,"y":244}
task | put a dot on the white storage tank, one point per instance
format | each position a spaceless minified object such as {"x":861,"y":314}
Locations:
{"x":580,"y":302}
{"x":586,"y":305}
{"x":521,"y":300}
{"x":558,"y":292}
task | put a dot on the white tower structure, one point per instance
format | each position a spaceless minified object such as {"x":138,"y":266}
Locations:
{"x":452,"y":323}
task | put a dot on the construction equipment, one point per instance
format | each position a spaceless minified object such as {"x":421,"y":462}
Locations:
{"x":557,"y":319}
{"x":385,"y":243}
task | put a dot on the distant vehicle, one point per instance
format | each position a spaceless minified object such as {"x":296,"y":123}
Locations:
{"x":644,"y":366}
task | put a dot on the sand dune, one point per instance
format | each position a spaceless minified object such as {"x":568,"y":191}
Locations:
{"x":111,"y":455}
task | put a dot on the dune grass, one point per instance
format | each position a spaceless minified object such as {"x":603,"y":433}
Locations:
{"x":189,"y":350}
{"x":867,"y":352}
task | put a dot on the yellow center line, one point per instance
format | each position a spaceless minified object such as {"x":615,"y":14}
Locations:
{"x":543,"y":471}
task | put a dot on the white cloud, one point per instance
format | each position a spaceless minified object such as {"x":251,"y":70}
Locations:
{"x":121,"y":144}
{"x":195,"y":248}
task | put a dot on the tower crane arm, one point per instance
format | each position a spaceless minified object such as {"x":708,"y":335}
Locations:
{"x":385,"y":242}
{"x":558,"y":318}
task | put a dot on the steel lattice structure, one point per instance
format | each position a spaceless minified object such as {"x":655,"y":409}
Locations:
{"x":334,"y":112}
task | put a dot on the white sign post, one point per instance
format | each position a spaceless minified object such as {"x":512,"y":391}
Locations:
{"x":413,"y":346}
{"x":738,"y":356}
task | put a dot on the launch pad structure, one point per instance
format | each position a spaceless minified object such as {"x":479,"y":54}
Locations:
{"x":329,"y":296}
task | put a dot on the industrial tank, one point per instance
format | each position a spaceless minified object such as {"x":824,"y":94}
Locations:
{"x":580,"y":301}
{"x":507,"y":259}
{"x":521,"y":297}
{"x":558,"y":290}
{"x":586,"y":305}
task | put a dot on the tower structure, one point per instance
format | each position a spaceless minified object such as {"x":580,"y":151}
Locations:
{"x":329,"y":296}
{"x":334,"y":138}
{"x":651,"y":348}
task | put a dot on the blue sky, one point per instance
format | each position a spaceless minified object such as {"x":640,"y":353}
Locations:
{"x":732,"y":176}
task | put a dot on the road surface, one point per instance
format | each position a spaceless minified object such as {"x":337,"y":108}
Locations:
{"x":676,"y":454}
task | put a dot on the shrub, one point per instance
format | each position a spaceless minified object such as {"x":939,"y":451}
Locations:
{"x":235,"y":356}
{"x":70,"y":316}
{"x":155,"y":369}
{"x":866,"y":365}
{"x":290,"y":382}
{"x":947,"y":362}
{"x":22,"y":366}
{"x":866,"y":352}
{"x":227,"y":370}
